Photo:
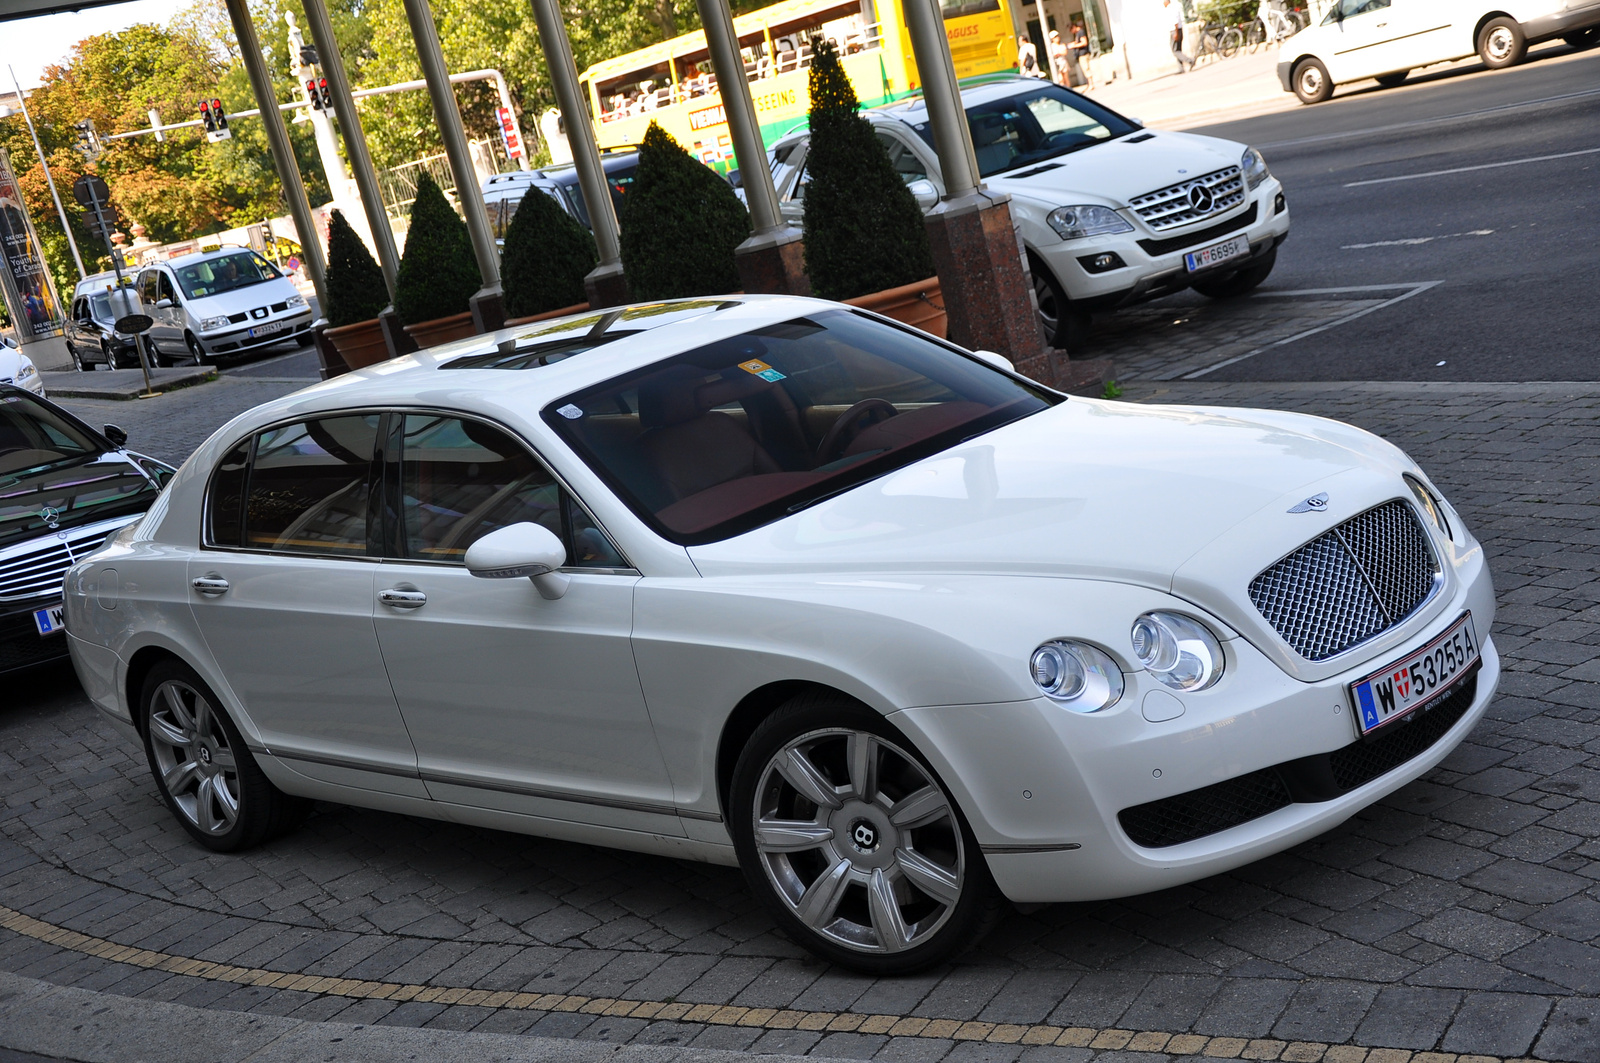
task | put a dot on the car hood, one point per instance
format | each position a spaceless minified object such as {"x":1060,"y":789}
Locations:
{"x":243,"y":300}
{"x":41,"y":502}
{"x":1092,"y":489}
{"x":1121,"y":169}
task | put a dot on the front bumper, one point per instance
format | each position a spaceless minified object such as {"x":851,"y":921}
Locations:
{"x":241,"y":340}
{"x":1044,"y":788}
{"x":21,"y":645}
{"x":1286,"y":75}
{"x":1154,"y":264}
{"x":1559,"y":25}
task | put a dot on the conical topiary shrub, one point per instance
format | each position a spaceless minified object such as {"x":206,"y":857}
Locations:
{"x":438,"y":273}
{"x":680,"y":224}
{"x":546,"y":256}
{"x":355,"y":283}
{"x":864,"y":230}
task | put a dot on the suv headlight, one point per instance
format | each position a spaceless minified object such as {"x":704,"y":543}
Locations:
{"x":1074,"y":223}
{"x":1178,"y":651}
{"x":207,"y":324}
{"x":295,"y":300}
{"x":1076,"y":675}
{"x":1254,"y":168}
{"x":26,"y":371}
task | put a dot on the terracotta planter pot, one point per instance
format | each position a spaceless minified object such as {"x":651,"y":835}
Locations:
{"x":361,"y":344}
{"x":442,"y":330}
{"x":575,"y":308}
{"x":920,"y":305}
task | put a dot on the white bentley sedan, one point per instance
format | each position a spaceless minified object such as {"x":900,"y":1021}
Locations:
{"x":778,"y":583}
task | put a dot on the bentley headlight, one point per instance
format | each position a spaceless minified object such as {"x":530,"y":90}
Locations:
{"x":1254,"y":167}
{"x":1074,"y":223}
{"x":1076,"y":675}
{"x":1435,"y":509}
{"x":209,"y":323}
{"x":1178,"y":651}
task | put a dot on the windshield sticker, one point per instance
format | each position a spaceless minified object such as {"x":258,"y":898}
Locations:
{"x":757,"y":367}
{"x":570,"y":412}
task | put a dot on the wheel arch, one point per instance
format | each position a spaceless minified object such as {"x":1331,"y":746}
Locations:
{"x":140,"y":666}
{"x":747,"y":716}
{"x":1488,"y":17}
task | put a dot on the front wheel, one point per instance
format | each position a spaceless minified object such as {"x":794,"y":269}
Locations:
{"x":1311,"y":82}
{"x":1584,"y":38}
{"x":207,"y":778}
{"x":1232,"y":41}
{"x":196,"y":352}
{"x":852,"y":842}
{"x":1065,"y":327}
{"x":1394,"y":80}
{"x":1241,"y":281}
{"x":1501,"y":43}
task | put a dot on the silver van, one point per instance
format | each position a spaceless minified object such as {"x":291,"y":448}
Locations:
{"x":223,"y":302}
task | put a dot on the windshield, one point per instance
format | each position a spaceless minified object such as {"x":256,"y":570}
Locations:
{"x":744,"y":431}
{"x":1038,"y":124}
{"x":224,"y":274}
{"x":100,"y":307}
{"x":620,"y":178}
{"x":32,"y":434}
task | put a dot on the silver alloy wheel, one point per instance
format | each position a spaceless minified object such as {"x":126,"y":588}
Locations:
{"x":1049,"y":312}
{"x":1310,"y":80}
{"x":859,"y":840}
{"x":1500,"y":44}
{"x":196,"y":766}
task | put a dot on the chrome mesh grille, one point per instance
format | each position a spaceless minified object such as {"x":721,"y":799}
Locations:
{"x":37,"y":573}
{"x":1170,"y":207}
{"x":1349,"y":584}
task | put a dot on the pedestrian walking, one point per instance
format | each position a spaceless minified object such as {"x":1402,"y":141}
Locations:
{"x":1078,"y":48}
{"x":1028,"y":60}
{"x":1060,"y":60}
{"x":1185,"y":64}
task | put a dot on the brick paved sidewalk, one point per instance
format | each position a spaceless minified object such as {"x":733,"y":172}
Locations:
{"x":1457,"y":918}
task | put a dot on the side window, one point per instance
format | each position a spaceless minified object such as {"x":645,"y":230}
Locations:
{"x":310,"y":485}
{"x":225,"y":498}
{"x":164,"y":287}
{"x":147,"y":287}
{"x":904,"y":160}
{"x":461,"y":479}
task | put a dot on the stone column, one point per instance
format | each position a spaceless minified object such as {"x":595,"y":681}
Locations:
{"x":605,"y":283}
{"x":294,"y":191}
{"x":772,"y":260}
{"x":975,"y":247}
{"x":488,"y":306}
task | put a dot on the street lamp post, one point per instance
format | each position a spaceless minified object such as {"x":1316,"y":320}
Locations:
{"x":66,"y":226}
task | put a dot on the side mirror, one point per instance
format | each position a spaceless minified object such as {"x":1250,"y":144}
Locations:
{"x":926,"y":195}
{"x":118,"y":436}
{"x":524,"y":549}
{"x":999,"y":361}
{"x":1138,"y":122}
{"x":163,"y":304}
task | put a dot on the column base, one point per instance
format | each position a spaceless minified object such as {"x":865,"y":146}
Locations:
{"x":774,"y":263}
{"x":395,"y":336}
{"x":606,"y":286}
{"x":333,"y":363}
{"x":488,"y":309}
{"x":985,"y":286}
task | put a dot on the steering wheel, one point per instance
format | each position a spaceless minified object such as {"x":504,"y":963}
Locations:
{"x":850,"y":424}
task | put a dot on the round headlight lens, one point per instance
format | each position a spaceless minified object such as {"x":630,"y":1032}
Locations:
{"x":1181,"y":653}
{"x":1076,"y":675}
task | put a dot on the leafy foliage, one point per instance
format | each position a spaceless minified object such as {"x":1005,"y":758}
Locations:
{"x":1226,"y":12}
{"x":356,"y":291}
{"x":680,"y":224}
{"x":438,"y":273}
{"x":546,"y":256}
{"x":863,"y":228}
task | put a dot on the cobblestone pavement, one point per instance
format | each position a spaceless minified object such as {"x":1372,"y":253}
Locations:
{"x":1459,"y":917}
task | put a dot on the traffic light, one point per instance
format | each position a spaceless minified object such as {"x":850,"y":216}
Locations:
{"x":325,"y":94}
{"x":314,"y":96}
{"x":219,"y":116}
{"x":215,"y":119}
{"x":207,"y":117}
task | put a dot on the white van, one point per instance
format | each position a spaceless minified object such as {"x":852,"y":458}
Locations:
{"x":1387,"y":39}
{"x":223,"y":302}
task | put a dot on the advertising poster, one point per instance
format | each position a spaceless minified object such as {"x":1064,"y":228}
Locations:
{"x":30,"y":293}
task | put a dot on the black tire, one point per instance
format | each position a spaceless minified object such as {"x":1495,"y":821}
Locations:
{"x":861,"y":893}
{"x":1584,"y":38}
{"x":1241,"y":281}
{"x":1232,"y":41}
{"x":1393,"y":80}
{"x":129,"y":360}
{"x":77,"y":359}
{"x":1311,"y":81}
{"x":1501,"y":43}
{"x":197,"y":353}
{"x":259,"y":810}
{"x":305,"y":339}
{"x":1065,"y":327}
{"x":152,"y":351}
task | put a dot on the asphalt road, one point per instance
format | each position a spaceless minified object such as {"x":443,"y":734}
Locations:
{"x":1486,"y":182}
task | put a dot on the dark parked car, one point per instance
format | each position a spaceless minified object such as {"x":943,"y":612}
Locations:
{"x":91,"y":337}
{"x":64,"y":490}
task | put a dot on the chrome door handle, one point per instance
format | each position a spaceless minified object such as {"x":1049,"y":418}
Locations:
{"x":400,"y":598}
{"x":210,"y":586}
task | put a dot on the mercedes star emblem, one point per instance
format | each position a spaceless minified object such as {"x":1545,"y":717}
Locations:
{"x":1201,"y":199}
{"x":51,"y":515}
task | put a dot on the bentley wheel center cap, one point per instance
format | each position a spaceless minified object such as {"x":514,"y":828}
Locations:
{"x":864,"y":836}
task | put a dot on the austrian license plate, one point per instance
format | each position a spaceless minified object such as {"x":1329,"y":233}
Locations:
{"x":51,"y":620}
{"x":1207,"y":257}
{"x":268,"y":329}
{"x":1416,"y":679}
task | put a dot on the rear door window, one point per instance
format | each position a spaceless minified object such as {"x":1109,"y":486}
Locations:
{"x":309,"y":487}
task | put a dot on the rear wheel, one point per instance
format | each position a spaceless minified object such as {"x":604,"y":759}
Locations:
{"x":852,"y":842}
{"x":1240,"y":281}
{"x":206,"y":776}
{"x":1065,"y":327}
{"x":1501,"y":43}
{"x":77,"y":359}
{"x":1311,"y":82}
{"x":1389,"y":81}
{"x":1232,"y":41}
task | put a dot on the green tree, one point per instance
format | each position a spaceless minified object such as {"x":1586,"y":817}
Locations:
{"x":863,"y":228}
{"x":356,"y":291}
{"x":680,"y":224}
{"x":546,"y":256}
{"x":438,"y":273}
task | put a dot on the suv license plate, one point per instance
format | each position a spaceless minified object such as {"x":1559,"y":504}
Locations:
{"x":51,"y":620}
{"x":1416,"y":679}
{"x":268,"y":329}
{"x":1207,"y":257}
